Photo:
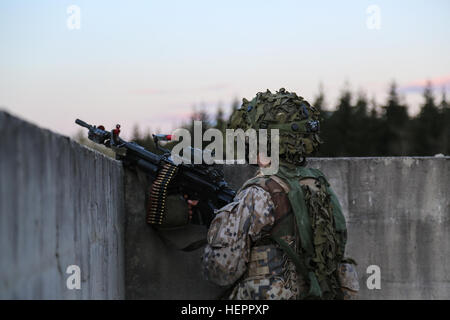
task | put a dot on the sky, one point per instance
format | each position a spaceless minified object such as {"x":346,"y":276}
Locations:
{"x":150,"y":62}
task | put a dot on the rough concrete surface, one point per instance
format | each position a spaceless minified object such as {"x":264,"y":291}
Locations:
{"x":398,"y":218}
{"x":61,"y":204}
{"x":154,"y":268}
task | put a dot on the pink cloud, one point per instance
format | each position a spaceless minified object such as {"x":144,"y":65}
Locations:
{"x":418,"y":86}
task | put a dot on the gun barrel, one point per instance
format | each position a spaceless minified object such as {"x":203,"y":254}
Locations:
{"x":82,"y":123}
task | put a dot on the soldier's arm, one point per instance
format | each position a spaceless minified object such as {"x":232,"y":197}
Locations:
{"x":231,"y":233}
{"x":348,"y":278}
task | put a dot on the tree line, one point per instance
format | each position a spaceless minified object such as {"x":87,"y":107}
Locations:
{"x":360,"y":127}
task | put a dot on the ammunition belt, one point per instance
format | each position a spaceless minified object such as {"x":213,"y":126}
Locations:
{"x":158,"y":194}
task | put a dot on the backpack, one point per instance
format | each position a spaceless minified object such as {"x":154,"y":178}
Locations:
{"x":313,"y":214}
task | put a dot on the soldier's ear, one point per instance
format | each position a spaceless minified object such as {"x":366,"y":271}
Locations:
{"x":263,"y":160}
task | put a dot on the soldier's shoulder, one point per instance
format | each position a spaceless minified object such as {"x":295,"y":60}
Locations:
{"x":270,"y":184}
{"x":253,"y":190}
{"x":258,"y":181}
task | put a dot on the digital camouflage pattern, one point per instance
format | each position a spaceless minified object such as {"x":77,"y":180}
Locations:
{"x":348,"y":280}
{"x":231,"y":233}
{"x":283,"y":236}
{"x":270,"y":275}
{"x":296,"y":120}
{"x":264,"y":272}
{"x":234,"y":254}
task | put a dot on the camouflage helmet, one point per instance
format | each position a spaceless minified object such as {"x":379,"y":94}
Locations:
{"x":296,"y":119}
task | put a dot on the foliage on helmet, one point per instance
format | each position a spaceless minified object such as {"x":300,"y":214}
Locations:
{"x":296,"y":119}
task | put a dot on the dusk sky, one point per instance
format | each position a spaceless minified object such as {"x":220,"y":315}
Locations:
{"x":149,"y":62}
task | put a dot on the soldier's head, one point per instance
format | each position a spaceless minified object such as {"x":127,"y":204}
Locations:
{"x":296,"y":120}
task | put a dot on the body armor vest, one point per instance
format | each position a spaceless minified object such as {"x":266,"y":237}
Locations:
{"x":309,"y":228}
{"x":266,"y":257}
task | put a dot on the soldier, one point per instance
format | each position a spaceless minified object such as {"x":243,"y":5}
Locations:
{"x":284,"y":235}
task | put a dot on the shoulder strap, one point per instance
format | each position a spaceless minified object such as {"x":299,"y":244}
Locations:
{"x":309,"y":276}
{"x":258,"y":181}
{"x":296,"y":198}
{"x":304,"y":229}
{"x":278,"y":192}
{"x":302,"y":172}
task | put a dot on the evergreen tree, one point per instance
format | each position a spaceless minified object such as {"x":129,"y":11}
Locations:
{"x":136,"y":133}
{"x":319,"y":100}
{"x":358,"y":145}
{"x":427,"y":126}
{"x":235,"y":105}
{"x":374,"y":130}
{"x":394,"y":118}
{"x":203,"y":116}
{"x":144,"y":140}
{"x":337,"y":128}
{"x":444,"y":107}
{"x":221,"y":123}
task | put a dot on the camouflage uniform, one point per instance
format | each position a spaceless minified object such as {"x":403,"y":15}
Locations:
{"x":258,"y":271}
{"x":229,"y":255}
{"x":283,"y":236}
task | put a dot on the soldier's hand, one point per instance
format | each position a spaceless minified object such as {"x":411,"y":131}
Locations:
{"x":191,"y":205}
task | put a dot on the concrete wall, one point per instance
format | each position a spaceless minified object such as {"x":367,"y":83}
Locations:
{"x":154,"y":268}
{"x":63,"y":204}
{"x":60,"y":204}
{"x":398,"y":218}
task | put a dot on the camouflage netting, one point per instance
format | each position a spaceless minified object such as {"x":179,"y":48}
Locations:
{"x":295,"y":118}
{"x":328,"y":250}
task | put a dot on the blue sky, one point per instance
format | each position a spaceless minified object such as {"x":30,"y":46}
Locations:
{"x":149,"y":62}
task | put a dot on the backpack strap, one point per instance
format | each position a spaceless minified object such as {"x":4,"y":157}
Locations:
{"x":287,"y":202}
{"x":278,"y":192}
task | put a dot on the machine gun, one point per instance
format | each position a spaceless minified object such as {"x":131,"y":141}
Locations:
{"x":198,"y":181}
